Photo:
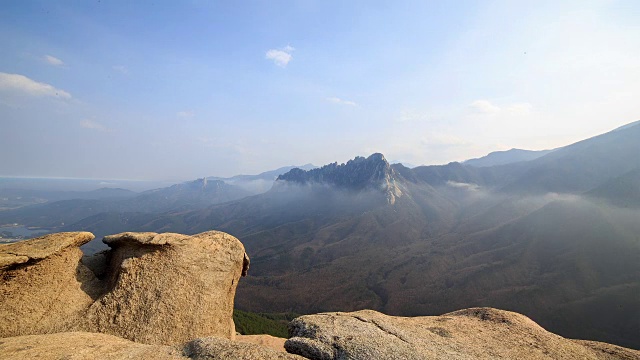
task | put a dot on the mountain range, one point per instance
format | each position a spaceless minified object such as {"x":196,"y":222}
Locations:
{"x":257,"y":184}
{"x":55,"y":209}
{"x":506,"y":157}
{"x":552,"y":235}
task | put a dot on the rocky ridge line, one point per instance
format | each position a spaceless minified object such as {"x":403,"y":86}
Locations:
{"x":371,"y":173}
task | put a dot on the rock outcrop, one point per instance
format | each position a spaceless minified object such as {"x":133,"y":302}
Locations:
{"x":170,"y":296}
{"x":371,"y":173}
{"x":169,"y":288}
{"x":44,"y":288}
{"x":150,"y":288}
{"x":477,"y":333}
{"x":82,"y":345}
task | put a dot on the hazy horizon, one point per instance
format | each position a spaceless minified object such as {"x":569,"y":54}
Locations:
{"x":166,"y":91}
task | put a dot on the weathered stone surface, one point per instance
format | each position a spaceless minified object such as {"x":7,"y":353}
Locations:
{"x":217,"y":348}
{"x":168,"y":288}
{"x":80,"y":346}
{"x":272,"y":342}
{"x":610,"y":352}
{"x":87,"y":346}
{"x":43,"y":286}
{"x":143,"y":238}
{"x":477,"y":333}
{"x":7,"y":260}
{"x":150,"y":288}
{"x":41,"y":247}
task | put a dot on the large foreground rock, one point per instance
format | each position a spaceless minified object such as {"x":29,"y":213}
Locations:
{"x":169,"y":288}
{"x":478,"y":333}
{"x":149,"y":288}
{"x":43,"y":286}
{"x":87,"y":346}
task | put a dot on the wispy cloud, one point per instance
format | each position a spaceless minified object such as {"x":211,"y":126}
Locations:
{"x":280,"y":57}
{"x":484,"y":107}
{"x":465,"y":186}
{"x":337,"y":100}
{"x":93,"y":125}
{"x":185,"y":114}
{"x":22,"y":84}
{"x":52,"y":60}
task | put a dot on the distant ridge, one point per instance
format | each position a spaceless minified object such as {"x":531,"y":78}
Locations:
{"x":262,"y":182}
{"x":630,"y":125}
{"x":506,"y":157}
{"x":268,"y":175}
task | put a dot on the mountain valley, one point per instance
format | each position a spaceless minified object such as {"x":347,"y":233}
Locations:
{"x":555,"y":238}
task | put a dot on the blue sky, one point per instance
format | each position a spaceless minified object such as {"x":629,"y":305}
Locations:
{"x":161,"y":90}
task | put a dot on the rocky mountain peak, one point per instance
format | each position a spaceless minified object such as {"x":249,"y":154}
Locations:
{"x":373,"y":172}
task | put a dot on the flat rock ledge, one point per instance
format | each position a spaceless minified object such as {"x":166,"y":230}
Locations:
{"x":40,"y":248}
{"x":83,"y":345}
{"x":477,"y":333}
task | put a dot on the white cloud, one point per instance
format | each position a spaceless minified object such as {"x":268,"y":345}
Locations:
{"x":22,"y":84}
{"x":484,"y":107}
{"x":337,"y":100}
{"x":465,"y":186}
{"x":93,"y":125}
{"x":52,"y":60}
{"x":280,"y":57}
{"x":185,"y":114}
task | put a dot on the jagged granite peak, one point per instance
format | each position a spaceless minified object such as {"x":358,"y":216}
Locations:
{"x":373,"y":172}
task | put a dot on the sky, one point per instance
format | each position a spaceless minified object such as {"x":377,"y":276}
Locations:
{"x":166,"y":90}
